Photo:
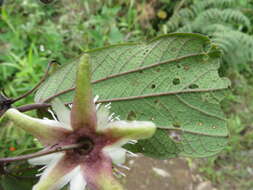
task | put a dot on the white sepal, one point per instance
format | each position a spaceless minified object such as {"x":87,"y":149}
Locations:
{"x":53,"y":177}
{"x":78,"y":182}
{"x":62,"y":113}
{"x":46,"y":159}
{"x":117,"y":154}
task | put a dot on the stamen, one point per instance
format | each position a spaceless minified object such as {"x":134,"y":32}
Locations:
{"x":131,"y":154}
{"x":97,"y":106}
{"x":35,"y":140}
{"x":96,"y":98}
{"x":110,"y":118}
{"x":70,"y":106}
{"x":44,"y":167}
{"x":53,"y":115}
{"x":119,"y":172}
{"x":108,"y":106}
{"x":132,"y":142}
{"x":38,"y":175}
{"x":123,"y":166}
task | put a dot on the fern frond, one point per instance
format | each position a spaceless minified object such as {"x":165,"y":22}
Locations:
{"x":185,"y":28}
{"x":222,"y":4}
{"x":217,"y":19}
{"x":180,"y":18}
{"x":237,"y":38}
{"x":213,"y":10}
{"x":213,"y":28}
{"x":227,"y":16}
{"x":236,"y":45}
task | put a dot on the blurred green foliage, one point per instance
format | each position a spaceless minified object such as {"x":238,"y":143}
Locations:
{"x":32,"y":34}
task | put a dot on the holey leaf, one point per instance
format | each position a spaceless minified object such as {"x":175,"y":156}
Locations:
{"x":172,"y":80}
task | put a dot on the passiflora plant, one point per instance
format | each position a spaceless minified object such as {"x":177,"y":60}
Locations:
{"x":160,"y":99}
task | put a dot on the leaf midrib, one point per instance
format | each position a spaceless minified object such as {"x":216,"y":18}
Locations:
{"x":128,"y":72}
{"x":170,"y":128}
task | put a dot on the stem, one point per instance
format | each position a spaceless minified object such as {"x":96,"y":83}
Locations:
{"x":29,"y":107}
{"x":5,"y":102}
{"x":2,"y":170}
{"x":35,"y":87}
{"x":50,"y":150}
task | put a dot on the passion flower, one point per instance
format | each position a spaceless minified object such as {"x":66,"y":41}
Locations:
{"x":102,"y":136}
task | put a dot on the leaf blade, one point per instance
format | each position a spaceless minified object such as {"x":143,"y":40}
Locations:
{"x":172,"y":80}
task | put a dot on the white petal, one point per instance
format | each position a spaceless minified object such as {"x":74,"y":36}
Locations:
{"x":78,"y":182}
{"x":62,"y":112}
{"x":45,"y":160}
{"x":47,"y":181}
{"x":63,"y":181}
{"x":66,"y":179}
{"x":51,"y":164}
{"x":102,"y":118}
{"x":117,"y":154}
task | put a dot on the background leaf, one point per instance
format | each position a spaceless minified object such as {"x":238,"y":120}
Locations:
{"x":172,"y":80}
{"x":13,"y":183}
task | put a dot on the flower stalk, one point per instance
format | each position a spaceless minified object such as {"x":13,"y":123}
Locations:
{"x":44,"y":152}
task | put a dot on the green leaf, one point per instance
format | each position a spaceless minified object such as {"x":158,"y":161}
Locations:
{"x":12,"y":183}
{"x":172,"y":80}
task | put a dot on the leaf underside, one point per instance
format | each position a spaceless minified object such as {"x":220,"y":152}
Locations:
{"x":172,"y":80}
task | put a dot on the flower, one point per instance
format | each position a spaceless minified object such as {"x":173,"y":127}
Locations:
{"x":103,"y":136}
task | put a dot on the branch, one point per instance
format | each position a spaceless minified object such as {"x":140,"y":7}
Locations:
{"x":51,"y":150}
{"x":35,"y":87}
{"x":5,"y":103}
{"x":29,"y":107}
